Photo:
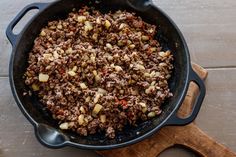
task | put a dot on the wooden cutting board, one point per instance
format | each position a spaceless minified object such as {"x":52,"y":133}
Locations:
{"x":189,"y":136}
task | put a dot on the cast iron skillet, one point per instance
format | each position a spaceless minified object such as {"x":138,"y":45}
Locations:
{"x":46,"y":129}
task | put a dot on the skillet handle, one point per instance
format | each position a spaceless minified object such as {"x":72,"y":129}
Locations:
{"x":174,"y":119}
{"x":9,"y":31}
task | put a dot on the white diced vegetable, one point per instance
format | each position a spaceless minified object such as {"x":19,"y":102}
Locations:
{"x":81,"y":119}
{"x":71,"y":73}
{"x":107,"y":24}
{"x":82,"y":109}
{"x":64,"y":126}
{"x":43,"y":77}
{"x":103,"y":118}
{"x":83,"y":86}
{"x":151,"y":114}
{"x":81,"y":19}
{"x":96,"y":109}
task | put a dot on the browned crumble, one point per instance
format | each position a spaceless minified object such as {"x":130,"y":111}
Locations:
{"x":98,"y":71}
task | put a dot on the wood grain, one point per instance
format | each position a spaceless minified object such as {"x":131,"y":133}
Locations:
{"x":208,"y":27}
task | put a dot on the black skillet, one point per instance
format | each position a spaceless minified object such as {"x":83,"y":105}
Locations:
{"x":46,"y":129}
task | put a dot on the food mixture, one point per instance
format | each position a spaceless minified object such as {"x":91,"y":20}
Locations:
{"x":99,"y":72}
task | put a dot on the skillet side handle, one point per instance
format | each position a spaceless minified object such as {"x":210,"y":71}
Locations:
{"x":174,"y":119}
{"x":9,"y":31}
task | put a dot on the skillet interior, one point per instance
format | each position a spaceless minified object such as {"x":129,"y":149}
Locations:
{"x":169,"y":34}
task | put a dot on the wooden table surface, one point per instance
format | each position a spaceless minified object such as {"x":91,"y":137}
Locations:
{"x":209,"y":27}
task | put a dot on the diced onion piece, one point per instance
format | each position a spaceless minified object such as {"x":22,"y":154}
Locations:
{"x":151,"y":114}
{"x":98,"y":20}
{"x":153,"y":74}
{"x":59,"y":26}
{"x":116,"y":55}
{"x":142,"y":104}
{"x":97,"y":78}
{"x":126,"y":57}
{"x":97,"y":97}
{"x":64,"y":126}
{"x":88,"y":26}
{"x":129,"y":42}
{"x":164,"y":54}
{"x":153,"y":83}
{"x":122,"y":26}
{"x":69,"y":50}
{"x":48,"y":56}
{"x":85,"y":121}
{"x":146,"y":75}
{"x":144,"y":38}
{"x":95,"y":72}
{"x":92,"y":58}
{"x":43,"y":33}
{"x":118,"y":68}
{"x":52,"y":27}
{"x":144,"y":109}
{"x":132,"y":46}
{"x":109,"y":57}
{"x":82,"y":109}
{"x":120,"y":43}
{"x":81,"y":119}
{"x":102,"y":91}
{"x":35,"y":87}
{"x":158,"y":74}
{"x":108,"y":45}
{"x":103,"y":118}
{"x":43,"y":77}
{"x":96,"y":109}
{"x":139,"y":67}
{"x":71,"y":73}
{"x":107,"y":24}
{"x":153,"y":49}
{"x":162,"y":64}
{"x":87,"y":99}
{"x":83,"y":86}
{"x":112,"y":65}
{"x":121,"y":91}
{"x":151,"y":30}
{"x":168,"y":53}
{"x":74,"y":68}
{"x":81,"y":19}
{"x":134,"y":54}
{"x":55,"y":55}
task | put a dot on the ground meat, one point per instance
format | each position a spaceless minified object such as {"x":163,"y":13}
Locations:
{"x":99,"y":72}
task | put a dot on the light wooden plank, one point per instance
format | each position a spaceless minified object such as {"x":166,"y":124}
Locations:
{"x":218,"y":113}
{"x":209,"y":29}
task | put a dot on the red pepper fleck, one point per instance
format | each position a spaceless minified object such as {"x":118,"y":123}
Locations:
{"x":149,"y":52}
{"x":104,"y":72}
{"x":61,"y":71}
{"x":60,"y":112}
{"x":123,"y":102}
